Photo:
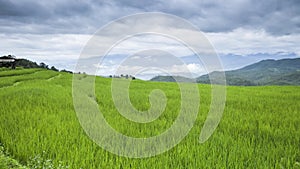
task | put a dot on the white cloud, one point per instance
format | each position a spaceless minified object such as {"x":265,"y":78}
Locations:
{"x":196,"y":68}
{"x":135,"y":57}
{"x":244,"y":41}
{"x":62,"y":50}
{"x":47,"y":47}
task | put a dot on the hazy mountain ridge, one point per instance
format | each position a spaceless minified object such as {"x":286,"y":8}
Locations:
{"x":265,"y":72}
{"x":172,"y":79}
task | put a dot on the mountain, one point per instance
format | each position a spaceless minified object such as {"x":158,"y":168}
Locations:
{"x":288,"y":79}
{"x":172,"y":79}
{"x":266,"y":72}
{"x":232,"y":61}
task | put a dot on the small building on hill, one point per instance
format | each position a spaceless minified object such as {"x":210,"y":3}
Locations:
{"x":8,"y":61}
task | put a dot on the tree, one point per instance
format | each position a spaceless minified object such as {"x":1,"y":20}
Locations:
{"x":54,"y":69}
{"x":13,"y":65}
{"x":43,"y":65}
{"x":67,"y":71}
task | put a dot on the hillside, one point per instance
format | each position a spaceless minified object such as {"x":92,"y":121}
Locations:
{"x":24,"y":63}
{"x":266,"y":72}
{"x":172,"y":79}
{"x":19,"y":62}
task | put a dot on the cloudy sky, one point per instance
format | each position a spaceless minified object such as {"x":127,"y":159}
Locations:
{"x":242,"y":32}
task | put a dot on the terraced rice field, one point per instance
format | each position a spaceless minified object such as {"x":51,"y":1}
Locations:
{"x":39,"y":128}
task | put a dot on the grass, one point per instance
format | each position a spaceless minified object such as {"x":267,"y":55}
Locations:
{"x":8,"y":72}
{"x":260,"y":127}
{"x":7,"y":162}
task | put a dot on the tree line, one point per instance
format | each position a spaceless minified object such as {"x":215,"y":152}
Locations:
{"x":25,"y":63}
{"x":123,"y":76}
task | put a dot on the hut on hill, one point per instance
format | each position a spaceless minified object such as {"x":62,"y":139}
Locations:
{"x":8,"y":61}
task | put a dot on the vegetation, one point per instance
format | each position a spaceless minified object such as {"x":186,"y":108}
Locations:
{"x":171,"y":79}
{"x":7,"y":162}
{"x":123,"y":76}
{"x":260,"y":127}
{"x":24,"y":63}
{"x":266,"y":72}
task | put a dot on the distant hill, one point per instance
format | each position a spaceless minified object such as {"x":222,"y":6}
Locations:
{"x":172,"y":79}
{"x":266,"y":72}
{"x":287,"y":79}
{"x":24,"y":63}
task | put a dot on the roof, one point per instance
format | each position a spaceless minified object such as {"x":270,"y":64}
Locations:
{"x":8,"y":58}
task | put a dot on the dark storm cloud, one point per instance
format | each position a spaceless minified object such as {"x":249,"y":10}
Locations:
{"x":43,"y":17}
{"x":277,"y":17}
{"x":18,"y":9}
{"x":42,"y":9}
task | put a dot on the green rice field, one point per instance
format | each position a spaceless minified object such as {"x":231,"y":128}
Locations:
{"x":260,"y":127}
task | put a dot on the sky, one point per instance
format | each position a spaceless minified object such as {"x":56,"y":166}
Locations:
{"x":241,"y":32}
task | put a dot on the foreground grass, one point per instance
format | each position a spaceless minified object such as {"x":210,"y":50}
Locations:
{"x":6,"y":162}
{"x":260,"y":127}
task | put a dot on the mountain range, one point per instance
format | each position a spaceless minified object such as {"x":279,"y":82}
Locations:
{"x":265,"y":72}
